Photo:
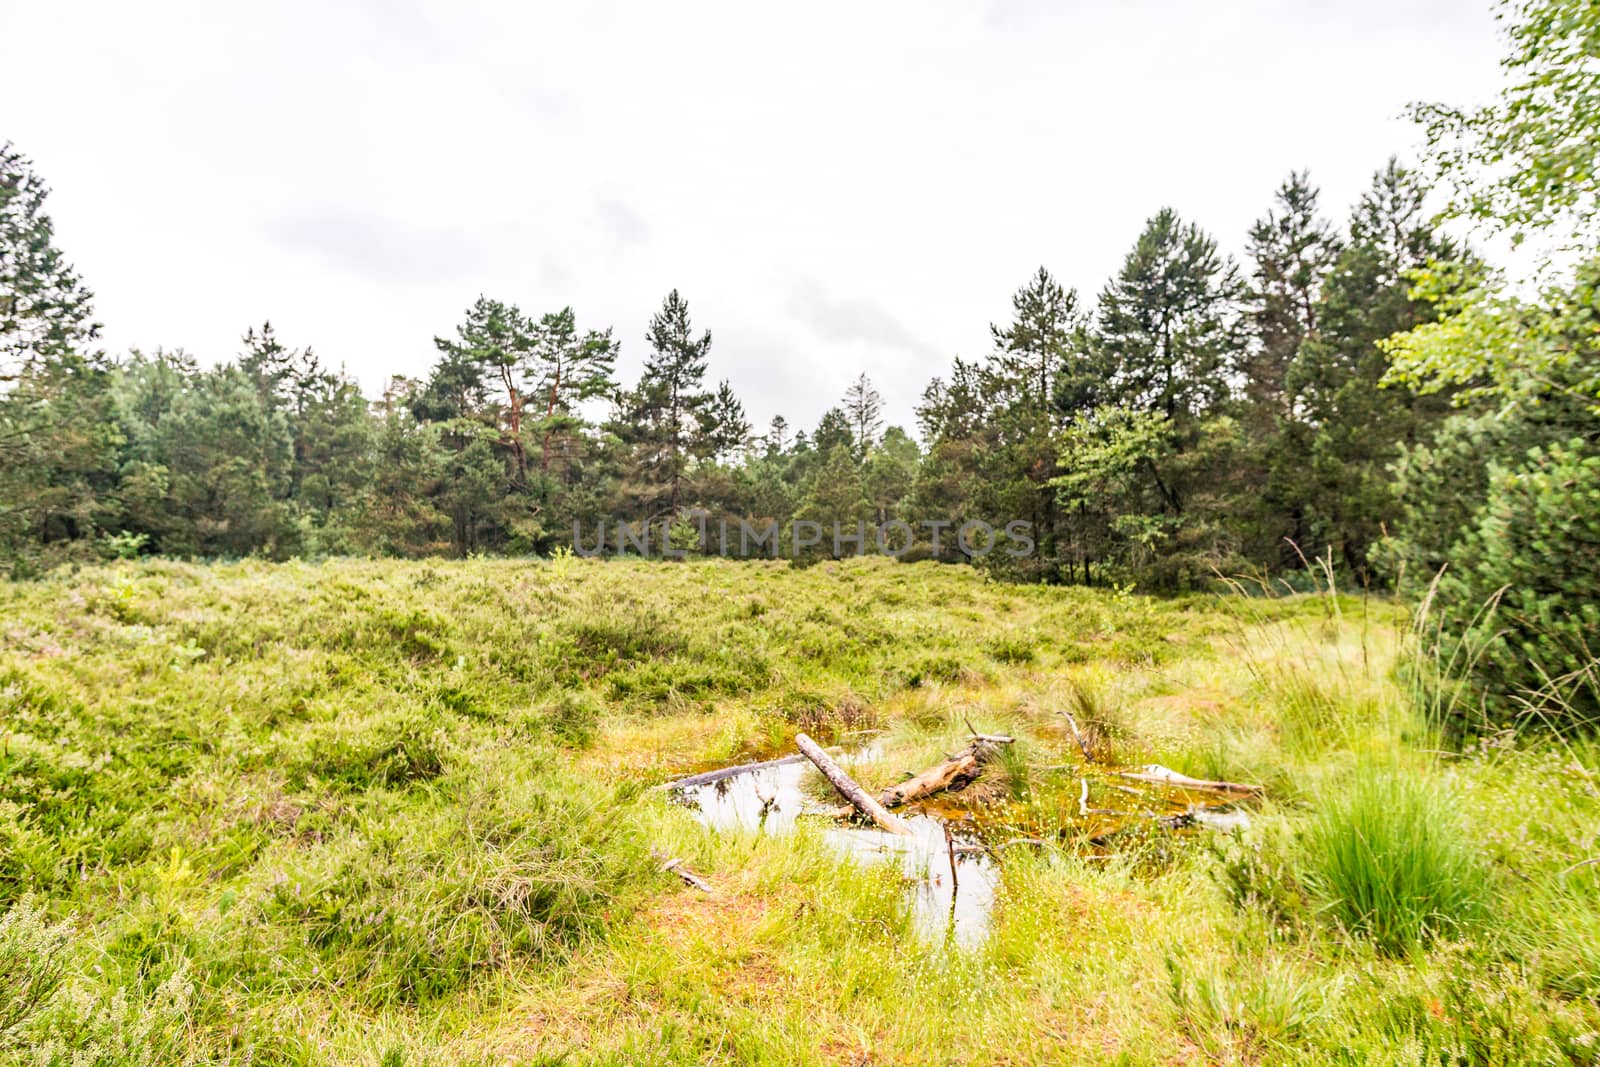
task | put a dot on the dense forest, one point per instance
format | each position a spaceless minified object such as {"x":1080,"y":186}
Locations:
{"x":1365,"y":393}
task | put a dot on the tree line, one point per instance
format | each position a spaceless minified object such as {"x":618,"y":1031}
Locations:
{"x":1195,"y":417}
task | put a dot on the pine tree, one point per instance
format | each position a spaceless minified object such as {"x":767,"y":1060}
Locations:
{"x":777,"y":438}
{"x":567,"y":368}
{"x":45,"y":309}
{"x":494,"y":343}
{"x":1168,"y":323}
{"x":1037,"y":349}
{"x":1354,"y":428}
{"x":864,"y":408}
{"x":1038,"y":375}
{"x":724,"y":430}
{"x":1293,"y":248}
{"x":57,"y":430}
{"x":671,"y":389}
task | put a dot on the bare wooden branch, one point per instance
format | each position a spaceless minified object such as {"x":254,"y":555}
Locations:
{"x":849,"y":789}
{"x":1159,"y":775}
{"x":679,"y":868}
{"x":707,"y":777}
{"x":962,"y":767}
{"x":1083,"y":743}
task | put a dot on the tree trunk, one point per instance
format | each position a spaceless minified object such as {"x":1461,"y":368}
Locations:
{"x":849,"y":789}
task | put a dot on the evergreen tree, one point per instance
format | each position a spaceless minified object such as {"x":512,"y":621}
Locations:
{"x":724,"y":430}
{"x":1168,"y":323}
{"x":1293,"y":249}
{"x":834,"y":430}
{"x":864,"y":408}
{"x":45,"y":309}
{"x":566,"y":369}
{"x":1037,"y":348}
{"x":1337,"y":464}
{"x":57,"y":432}
{"x":671,"y":392}
{"x":777,"y":438}
{"x":494,"y":344}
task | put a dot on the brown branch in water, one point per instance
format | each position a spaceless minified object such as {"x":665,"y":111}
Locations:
{"x":1083,"y":743}
{"x":707,"y":777}
{"x":958,"y":770}
{"x":950,"y":845}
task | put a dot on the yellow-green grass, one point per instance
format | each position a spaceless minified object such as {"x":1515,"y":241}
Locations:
{"x":385,"y":812}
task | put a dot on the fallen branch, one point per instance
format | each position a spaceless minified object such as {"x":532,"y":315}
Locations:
{"x":849,"y":789}
{"x":707,"y":777}
{"x":1083,"y":743}
{"x":1159,"y":775}
{"x":677,"y":867}
{"x":957,"y":771}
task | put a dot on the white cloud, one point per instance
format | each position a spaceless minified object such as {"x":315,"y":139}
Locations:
{"x":834,"y":187}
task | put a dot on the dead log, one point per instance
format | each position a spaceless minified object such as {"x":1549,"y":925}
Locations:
{"x":955,"y":772}
{"x":707,"y":777}
{"x":849,"y":789}
{"x":1159,"y":775}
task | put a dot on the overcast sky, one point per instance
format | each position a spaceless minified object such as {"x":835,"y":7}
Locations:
{"x":834,"y":187}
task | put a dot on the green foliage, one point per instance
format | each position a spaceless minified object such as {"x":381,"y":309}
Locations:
{"x":1533,"y":556}
{"x":1168,"y":322}
{"x":337,"y":812}
{"x":48,"y":1018}
{"x":1531,"y":159}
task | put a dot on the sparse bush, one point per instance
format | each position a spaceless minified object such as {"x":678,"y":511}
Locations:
{"x":48,"y":1020}
{"x":1257,"y":872}
{"x":1242,"y":1011}
{"x":1012,"y":648}
{"x":515,"y":867}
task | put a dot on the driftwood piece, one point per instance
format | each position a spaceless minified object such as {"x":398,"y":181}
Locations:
{"x":1159,"y":775}
{"x":849,"y":789}
{"x":707,"y":777}
{"x":681,"y":869}
{"x":1083,"y":742}
{"x":957,"y":771}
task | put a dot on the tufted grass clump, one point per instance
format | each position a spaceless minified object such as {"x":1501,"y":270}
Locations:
{"x":1391,"y":861}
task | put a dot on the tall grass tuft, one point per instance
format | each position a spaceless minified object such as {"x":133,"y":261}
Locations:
{"x":1392,"y":862}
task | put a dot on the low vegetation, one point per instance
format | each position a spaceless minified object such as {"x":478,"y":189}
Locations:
{"x":387,"y":812}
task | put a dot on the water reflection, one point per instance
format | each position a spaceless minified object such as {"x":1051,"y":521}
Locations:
{"x":952,"y":880}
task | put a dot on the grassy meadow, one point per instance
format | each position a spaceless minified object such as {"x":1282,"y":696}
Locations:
{"x":401,"y":813}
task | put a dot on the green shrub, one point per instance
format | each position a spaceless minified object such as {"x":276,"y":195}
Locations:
{"x":1010,"y":649}
{"x":30,"y":967}
{"x":394,"y":750}
{"x":1534,"y":554}
{"x":572,"y":718}
{"x":1391,"y":862}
